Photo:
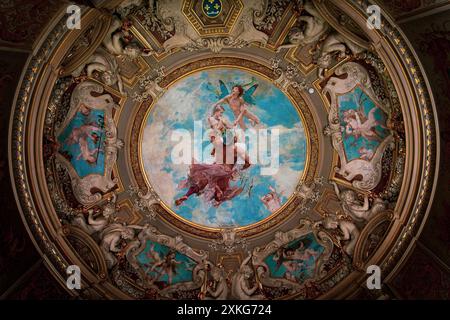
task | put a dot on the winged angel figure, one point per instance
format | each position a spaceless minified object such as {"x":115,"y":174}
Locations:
{"x":238,"y":100}
{"x":358,"y":124}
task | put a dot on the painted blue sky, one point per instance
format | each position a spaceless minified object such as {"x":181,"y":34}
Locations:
{"x":191,"y":99}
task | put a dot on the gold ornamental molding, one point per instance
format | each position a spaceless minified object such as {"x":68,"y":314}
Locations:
{"x":95,"y":25}
{"x":324,"y":9}
{"x":51,"y":237}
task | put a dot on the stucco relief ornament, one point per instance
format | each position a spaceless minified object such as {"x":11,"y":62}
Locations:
{"x":116,"y":42}
{"x":357,"y":124}
{"x":245,"y":282}
{"x":315,"y":27}
{"x":144,"y":201}
{"x":253,"y":14}
{"x":293,"y":258}
{"x":174,"y":22}
{"x":216,"y":44}
{"x":217,"y":288}
{"x":355,"y":215}
{"x":82,"y":107}
{"x":357,"y":210}
{"x":288,"y":76}
{"x":151,"y":20}
{"x":349,"y":232}
{"x":106,"y":65}
{"x":335,"y":44}
{"x":310,"y":192}
{"x":229,"y":241}
{"x":150,"y":86}
{"x":111,"y":238}
{"x":273,"y":14}
{"x":186,"y":38}
{"x":164,"y":254}
{"x":92,"y":225}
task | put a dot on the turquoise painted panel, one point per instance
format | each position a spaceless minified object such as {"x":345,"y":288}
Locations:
{"x":165,"y":266}
{"x":295,"y":261}
{"x":363,"y":124}
{"x":82,"y":142}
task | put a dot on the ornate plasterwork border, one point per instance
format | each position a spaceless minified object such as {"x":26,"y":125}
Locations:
{"x":293,"y":93}
{"x":369,"y":170}
{"x":431,"y":143}
{"x":283,"y":238}
{"x":396,"y":53}
{"x":45,"y":231}
{"x":136,"y":247}
{"x":81,"y":186}
{"x":44,"y":227}
{"x":17,"y":150}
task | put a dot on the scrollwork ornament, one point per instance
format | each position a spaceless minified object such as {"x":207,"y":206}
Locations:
{"x":144,"y":201}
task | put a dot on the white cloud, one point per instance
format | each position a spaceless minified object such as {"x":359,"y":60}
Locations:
{"x":286,"y":179}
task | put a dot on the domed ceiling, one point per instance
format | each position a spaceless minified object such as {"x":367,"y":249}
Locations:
{"x":223,"y":149}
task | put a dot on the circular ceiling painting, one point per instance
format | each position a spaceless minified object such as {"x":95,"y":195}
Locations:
{"x":224,"y":147}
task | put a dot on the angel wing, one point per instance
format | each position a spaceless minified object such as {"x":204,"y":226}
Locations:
{"x":223,"y":90}
{"x":248,"y":94}
{"x":213,"y":88}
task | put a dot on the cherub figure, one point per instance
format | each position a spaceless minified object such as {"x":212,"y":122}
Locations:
{"x":222,"y":133}
{"x":335,"y":43}
{"x":357,"y":125}
{"x":167,"y":265}
{"x":241,"y":287}
{"x":80,"y":135}
{"x":293,"y":258}
{"x":283,"y":258}
{"x":302,"y":253}
{"x":365,"y":154}
{"x":154,"y":258}
{"x":314,"y":27}
{"x":219,"y":123}
{"x":115,"y":42}
{"x":111,"y":237}
{"x":106,"y":66}
{"x":238,"y":104}
{"x":271,"y":200}
{"x":353,"y":207}
{"x":350,"y":232}
{"x":218,"y":289}
{"x":92,"y":224}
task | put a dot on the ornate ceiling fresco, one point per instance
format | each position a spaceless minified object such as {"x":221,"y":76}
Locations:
{"x":119,"y":128}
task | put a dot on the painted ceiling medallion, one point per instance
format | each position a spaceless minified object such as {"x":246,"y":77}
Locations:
{"x":232,"y":194}
{"x":212,"y":8}
{"x":223,"y":149}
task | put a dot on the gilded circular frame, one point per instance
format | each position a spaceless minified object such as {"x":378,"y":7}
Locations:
{"x":296,"y":99}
